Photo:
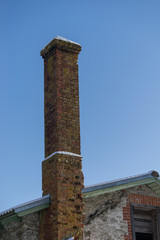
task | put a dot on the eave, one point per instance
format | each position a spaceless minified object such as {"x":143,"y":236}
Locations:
{"x":15,"y":213}
{"x":151,"y":179}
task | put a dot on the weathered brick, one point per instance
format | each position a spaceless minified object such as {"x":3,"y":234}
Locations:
{"x":62,"y":175}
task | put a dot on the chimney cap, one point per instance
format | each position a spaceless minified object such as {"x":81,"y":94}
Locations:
{"x":62,"y":44}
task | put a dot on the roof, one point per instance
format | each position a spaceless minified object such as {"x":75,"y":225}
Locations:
{"x":151,"y":179}
{"x":23,"y":209}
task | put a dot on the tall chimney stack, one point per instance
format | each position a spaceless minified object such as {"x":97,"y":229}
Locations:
{"x":62,"y":175}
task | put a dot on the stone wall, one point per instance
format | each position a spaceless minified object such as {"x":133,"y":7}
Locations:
{"x":104,"y":214}
{"x":26,"y":229}
{"x":104,"y":217}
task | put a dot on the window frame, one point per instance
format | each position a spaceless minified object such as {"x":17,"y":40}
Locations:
{"x":156,"y":225}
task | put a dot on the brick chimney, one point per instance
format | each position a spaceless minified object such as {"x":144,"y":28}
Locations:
{"x":62,"y":175}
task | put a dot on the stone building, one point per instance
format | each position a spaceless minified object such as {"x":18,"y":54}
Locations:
{"x":125,"y":209}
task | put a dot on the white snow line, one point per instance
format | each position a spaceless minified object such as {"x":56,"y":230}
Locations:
{"x":63,"y":152}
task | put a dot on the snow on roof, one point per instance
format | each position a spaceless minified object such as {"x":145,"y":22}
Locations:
{"x":66,"y":40}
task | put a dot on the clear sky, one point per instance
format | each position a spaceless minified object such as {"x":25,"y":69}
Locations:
{"x":119,"y":72}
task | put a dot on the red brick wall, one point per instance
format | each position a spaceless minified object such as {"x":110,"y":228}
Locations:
{"x":62,"y":175}
{"x":61,"y":99}
{"x":137,"y":199}
{"x":62,"y":178}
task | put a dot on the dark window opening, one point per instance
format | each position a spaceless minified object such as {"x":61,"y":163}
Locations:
{"x":144,"y":236}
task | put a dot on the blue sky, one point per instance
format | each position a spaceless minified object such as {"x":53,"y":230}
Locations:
{"x":119,"y":89}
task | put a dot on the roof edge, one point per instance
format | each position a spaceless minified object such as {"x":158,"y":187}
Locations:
{"x":26,"y":208}
{"x":123,"y":182}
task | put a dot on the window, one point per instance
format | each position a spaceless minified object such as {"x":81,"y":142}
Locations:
{"x":145,"y":222}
